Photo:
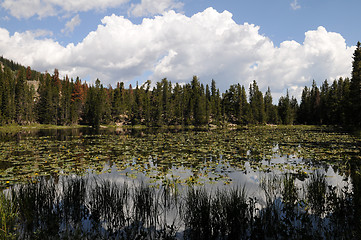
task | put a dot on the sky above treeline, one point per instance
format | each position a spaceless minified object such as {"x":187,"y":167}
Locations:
{"x":283,"y":44}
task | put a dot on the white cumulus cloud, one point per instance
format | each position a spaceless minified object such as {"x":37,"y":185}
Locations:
{"x":45,"y":8}
{"x":71,"y":24}
{"x":208,"y":44}
{"x":153,"y":7}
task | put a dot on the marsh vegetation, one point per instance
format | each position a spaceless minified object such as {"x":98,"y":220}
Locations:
{"x":86,"y":208}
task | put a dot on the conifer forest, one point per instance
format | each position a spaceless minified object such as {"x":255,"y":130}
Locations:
{"x":27,"y":96}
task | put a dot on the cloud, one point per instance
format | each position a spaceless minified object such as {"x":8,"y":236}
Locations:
{"x":6,"y":18}
{"x":208,"y":44}
{"x":153,"y":7}
{"x":295,"y":5}
{"x":45,"y":8}
{"x":70,"y":25}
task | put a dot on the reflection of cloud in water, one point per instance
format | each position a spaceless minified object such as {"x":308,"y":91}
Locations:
{"x":223,"y":175}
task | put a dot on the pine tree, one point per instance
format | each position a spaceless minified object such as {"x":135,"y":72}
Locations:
{"x":187,"y":104}
{"x":157,"y":105}
{"x":77,"y":101}
{"x":304,"y":113}
{"x":355,"y":88}
{"x":346,"y":101}
{"x":270,"y":109}
{"x":230,"y":104}
{"x":198,"y":102}
{"x":65,"y":103}
{"x":147,"y":102}
{"x":8,"y":96}
{"x":178,"y":104}
{"x":315,"y":102}
{"x":20,"y":97}
{"x":246,"y":115}
{"x":287,"y":109}
{"x":256,"y":103}
{"x":166,"y":92}
{"x":97,"y":106}
{"x":215,"y":103}
{"x":208,"y":104}
{"x":325,"y":111}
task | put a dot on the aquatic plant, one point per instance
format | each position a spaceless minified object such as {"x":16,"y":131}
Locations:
{"x":81,"y":208}
{"x":8,"y":217}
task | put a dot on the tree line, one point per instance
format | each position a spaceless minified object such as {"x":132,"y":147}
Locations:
{"x":27,"y":96}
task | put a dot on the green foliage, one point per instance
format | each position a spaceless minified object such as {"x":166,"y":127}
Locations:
{"x":287,"y":109}
{"x":256,"y":104}
{"x":355,"y":87}
{"x":8,"y":217}
{"x":97,"y":105}
{"x":27,"y":96}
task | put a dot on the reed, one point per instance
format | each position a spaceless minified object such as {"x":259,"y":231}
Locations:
{"x":316,"y":193}
{"x":83,"y":208}
{"x":8,"y":216}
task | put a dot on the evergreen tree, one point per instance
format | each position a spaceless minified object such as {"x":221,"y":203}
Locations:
{"x":256,"y":103}
{"x":355,"y":88}
{"x":65,"y":103}
{"x":304,"y":113}
{"x":8,"y":96}
{"x":20,"y":97}
{"x":287,"y":109}
{"x":77,"y":101}
{"x":97,"y":107}
{"x":346,"y":101}
{"x":178,"y":105}
{"x":270,"y":109}
{"x":147,"y":102}
{"x":246,"y":113}
{"x":198,"y":102}
{"x":215,"y":103}
{"x":188,"y":104}
{"x":157,"y":105}
{"x":315,"y":102}
{"x":231,"y":105}
{"x":325,"y":111}
{"x":166,"y":90}
{"x":208,"y":104}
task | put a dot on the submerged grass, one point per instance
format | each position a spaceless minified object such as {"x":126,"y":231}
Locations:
{"x":83,"y":208}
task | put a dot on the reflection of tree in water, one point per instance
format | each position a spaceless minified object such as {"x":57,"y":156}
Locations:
{"x":356,"y":183}
{"x":94,"y":208}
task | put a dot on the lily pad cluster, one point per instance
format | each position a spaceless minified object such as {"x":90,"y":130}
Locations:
{"x":187,"y":157}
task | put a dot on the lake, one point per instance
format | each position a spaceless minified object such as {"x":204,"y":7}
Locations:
{"x":262,"y":161}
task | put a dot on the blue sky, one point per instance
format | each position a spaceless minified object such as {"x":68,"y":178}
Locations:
{"x":284,"y":44}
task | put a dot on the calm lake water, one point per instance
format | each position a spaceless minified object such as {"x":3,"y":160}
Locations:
{"x":301,"y":179}
{"x":187,"y":157}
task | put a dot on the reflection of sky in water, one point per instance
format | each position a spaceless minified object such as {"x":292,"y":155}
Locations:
{"x":223,"y":175}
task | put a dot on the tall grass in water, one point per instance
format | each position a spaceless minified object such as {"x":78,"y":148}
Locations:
{"x":8,"y":216}
{"x":71,"y":205}
{"x":316,"y":193}
{"x":80,"y":208}
{"x":38,"y":207}
{"x":224,"y":215}
{"x":108,"y":207}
